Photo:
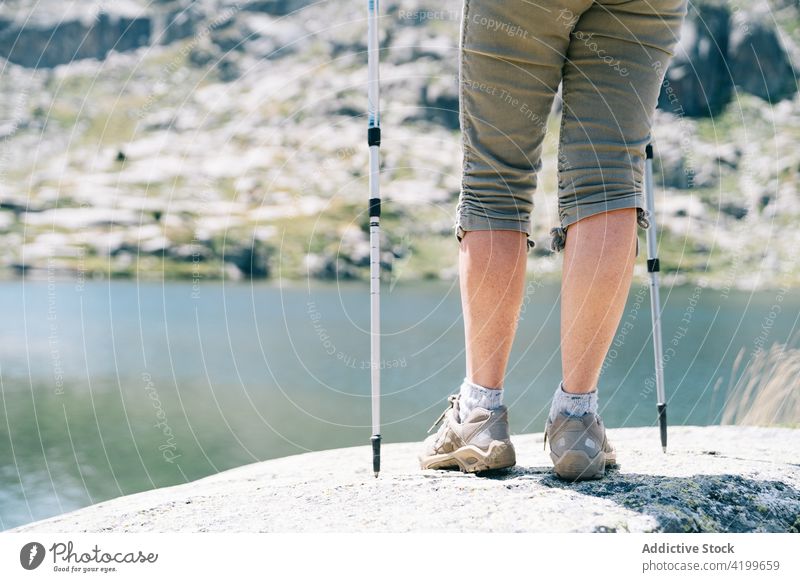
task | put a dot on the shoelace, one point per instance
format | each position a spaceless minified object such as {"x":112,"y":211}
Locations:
{"x":452,"y":401}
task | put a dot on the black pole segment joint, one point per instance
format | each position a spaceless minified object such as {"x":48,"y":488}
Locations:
{"x":662,"y":422}
{"x":374,"y":136}
{"x":374,"y":207}
{"x":648,"y":151}
{"x":653,"y":266}
{"x":376,"y":453}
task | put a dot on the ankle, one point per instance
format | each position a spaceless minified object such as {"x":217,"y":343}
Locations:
{"x":477,"y":396}
{"x":574,"y":388}
{"x":572,"y":404}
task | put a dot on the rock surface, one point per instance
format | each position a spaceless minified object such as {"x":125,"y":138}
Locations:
{"x":714,"y":479}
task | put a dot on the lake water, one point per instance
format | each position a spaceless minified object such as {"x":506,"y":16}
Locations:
{"x":113,"y":388}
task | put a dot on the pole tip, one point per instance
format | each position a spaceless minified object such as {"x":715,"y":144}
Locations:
{"x":376,"y":474}
{"x":376,"y":453}
{"x":664,"y":448}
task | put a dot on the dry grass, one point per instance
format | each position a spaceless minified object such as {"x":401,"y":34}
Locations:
{"x":768,"y":391}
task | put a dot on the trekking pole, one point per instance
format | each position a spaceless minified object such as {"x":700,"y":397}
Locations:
{"x":374,"y":141}
{"x":653,"y":267}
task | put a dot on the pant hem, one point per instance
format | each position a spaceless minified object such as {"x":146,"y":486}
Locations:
{"x":559,"y":234}
{"x":467,"y":222}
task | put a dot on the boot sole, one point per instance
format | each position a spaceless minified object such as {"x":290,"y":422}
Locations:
{"x":471,"y":459}
{"x":578,"y":466}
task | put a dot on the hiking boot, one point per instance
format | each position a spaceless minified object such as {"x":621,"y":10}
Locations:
{"x":480,"y":443}
{"x":579,"y":447}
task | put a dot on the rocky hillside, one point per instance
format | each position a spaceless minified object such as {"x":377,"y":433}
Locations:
{"x":714,"y":479}
{"x":217,"y":138}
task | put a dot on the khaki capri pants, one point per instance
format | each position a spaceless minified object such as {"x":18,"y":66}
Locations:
{"x":610,"y":57}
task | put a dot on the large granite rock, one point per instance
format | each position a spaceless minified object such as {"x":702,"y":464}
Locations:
{"x":698,"y":81}
{"x":47,"y":35}
{"x":759,"y":62}
{"x":720,"y":52}
{"x":276,"y":7}
{"x":713,"y":479}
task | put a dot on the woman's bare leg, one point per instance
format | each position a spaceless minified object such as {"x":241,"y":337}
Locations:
{"x":598,"y":268}
{"x":492,"y":277}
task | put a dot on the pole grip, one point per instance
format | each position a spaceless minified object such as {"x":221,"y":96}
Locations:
{"x":376,"y":453}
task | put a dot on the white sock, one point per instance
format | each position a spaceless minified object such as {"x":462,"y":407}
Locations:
{"x":572,"y":404}
{"x":475,"y":396}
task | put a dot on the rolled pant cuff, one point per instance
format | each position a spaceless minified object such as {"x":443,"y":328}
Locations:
{"x":467,"y":222}
{"x":576,"y":213}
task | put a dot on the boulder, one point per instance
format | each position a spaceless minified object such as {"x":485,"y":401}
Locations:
{"x":276,"y":7}
{"x":439,"y":101}
{"x":758,"y":59}
{"x":697,"y":82}
{"x":250,"y":257}
{"x":718,"y":51}
{"x":46,"y":38}
{"x":179,"y":23}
